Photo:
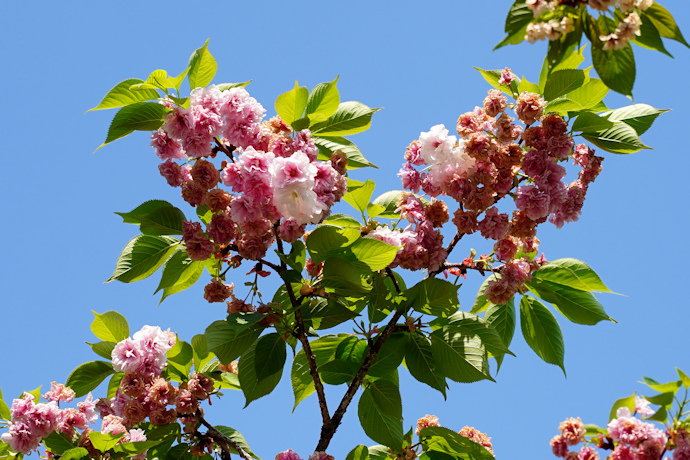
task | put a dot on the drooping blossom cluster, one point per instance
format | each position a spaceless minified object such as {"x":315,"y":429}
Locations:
{"x":495,"y":157}
{"x":292,"y":455}
{"x":32,"y":421}
{"x":555,"y":18}
{"x":477,"y":436}
{"x":276,"y":184}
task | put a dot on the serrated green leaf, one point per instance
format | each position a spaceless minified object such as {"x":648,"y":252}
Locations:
{"x":114,"y":384}
{"x":327,"y":240}
{"x":270,"y":355}
{"x":639,"y":116}
{"x":562,"y":82}
{"x":662,"y":387}
{"x":502,"y":319}
{"x":571,"y":273}
{"x":88,"y":376}
{"x":481,"y":303}
{"x":252,"y":386}
{"x":436,"y":439}
{"x":620,"y":138}
{"x":578,"y":306}
{"x":202,"y":67}
{"x":616,"y":68}
{"x":236,"y":436}
{"x":460,"y":357}
{"x":390,"y":356}
{"x":103,"y":349}
{"x":179,"y":273}
{"x":140,"y":116}
{"x":433,"y":296}
{"x":142,"y":256}
{"x":323,"y":101}
{"x":358,"y":196}
{"x":329,"y":144}
{"x":121,"y":95}
{"x":519,"y":16}
{"x":492,"y":77}
{"x":541,"y":331}
{"x":290,"y":105}
{"x":380,"y":413}
{"x":422,"y":365}
{"x":230,"y":338}
{"x":529,"y":87}
{"x":662,"y":399}
{"x":375,"y":253}
{"x":110,"y":326}
{"x":591,"y":122}
{"x":664,"y":23}
{"x":351,"y":117}
{"x":180,"y":357}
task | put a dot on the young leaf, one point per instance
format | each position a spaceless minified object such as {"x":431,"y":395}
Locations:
{"x":140,"y":116}
{"x":121,"y":95}
{"x":562,"y":82}
{"x":571,"y":273}
{"x":380,"y":413}
{"x":628,"y":402}
{"x":541,"y":331}
{"x":323,"y":101}
{"x":639,"y":116}
{"x":492,"y":77}
{"x":230,"y":338}
{"x":358,"y":453}
{"x":620,"y":138}
{"x":350,"y":118}
{"x":578,"y":306}
{"x":104,"y":442}
{"x":359,"y":196}
{"x":252,"y":386}
{"x":459,"y":356}
{"x":616,"y":68}
{"x":327,"y":240}
{"x":110,"y":326}
{"x":684,"y":379}
{"x":590,"y":122}
{"x":88,"y":376}
{"x":142,"y":256}
{"x":179,"y":273}
{"x":290,"y":105}
{"x":329,"y":144}
{"x":202,"y":67}
{"x":180,"y":357}
{"x":103,"y":349}
{"x":375,"y":253}
{"x":519,"y":16}
{"x":4,"y":409}
{"x":664,"y":23}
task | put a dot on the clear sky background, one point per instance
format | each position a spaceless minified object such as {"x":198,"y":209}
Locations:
{"x":61,"y":238}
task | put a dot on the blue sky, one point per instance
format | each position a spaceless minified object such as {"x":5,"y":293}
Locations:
{"x":62,"y":238}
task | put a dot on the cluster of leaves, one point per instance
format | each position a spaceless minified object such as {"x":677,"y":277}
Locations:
{"x":616,"y":68}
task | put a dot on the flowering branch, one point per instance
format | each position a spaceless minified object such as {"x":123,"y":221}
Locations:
{"x":224,"y":442}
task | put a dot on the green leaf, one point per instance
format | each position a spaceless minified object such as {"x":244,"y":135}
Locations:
{"x":227,"y":86}
{"x":460,"y":357}
{"x":4,"y":409}
{"x":103,"y":349}
{"x":650,"y":38}
{"x":616,"y":68}
{"x":571,"y":273}
{"x":359,"y":195}
{"x":329,"y":144}
{"x":114,"y":384}
{"x":662,"y":387}
{"x":591,"y":122}
{"x":639,"y":116}
{"x":230,"y":338}
{"x":390,"y":356}
{"x":88,"y":376}
{"x":439,"y":439}
{"x":422,"y":365}
{"x":492,"y":77}
{"x":164,"y":221}
{"x":433,"y":296}
{"x":327,"y":240}
{"x":180,"y":357}
{"x":142,"y":256}
{"x":270,"y":355}
{"x":375,"y":253}
{"x":138,"y":215}
{"x":562,"y":82}
{"x":121,"y":95}
{"x":380,"y":413}
{"x":628,"y":402}
{"x":179,"y":273}
{"x":664,"y":23}
{"x":338,"y":372}
{"x":660,"y":416}
{"x":200,"y":350}
{"x":469,"y":324}
{"x":529,"y":87}
{"x":236,"y":436}
{"x":502,"y":319}
{"x":140,"y":116}
{"x":662,"y":399}
{"x":541,"y":331}
{"x":324,"y":350}
{"x":254,"y":387}
{"x":580,"y":307}
{"x":323,"y":101}
{"x":519,"y":16}
{"x":358,"y":453}
{"x":572,"y":61}
{"x":202,"y":67}
{"x":104,"y":442}
{"x":350,"y":118}
{"x":342,"y":220}
{"x":57,"y":443}
{"x":74,"y":454}
{"x":290,"y":105}
{"x":621,"y":138}
{"x":329,"y":313}
{"x":110,"y":326}
{"x":347,"y":279}
{"x":589,"y":95}
{"x":684,"y":379}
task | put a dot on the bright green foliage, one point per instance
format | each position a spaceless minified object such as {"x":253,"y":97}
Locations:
{"x":329,"y":144}
{"x":155,"y":217}
{"x":254,"y":387}
{"x":434,"y":297}
{"x":502,"y":319}
{"x":201,"y":67}
{"x":230,"y":338}
{"x":179,"y":273}
{"x":421,"y":363}
{"x":238,"y":438}
{"x":323,"y":101}
{"x":358,"y":453}
{"x":4,"y":409}
{"x":110,"y":326}
{"x":442,"y":440}
{"x":121,"y":95}
{"x":291,"y":105}
{"x":142,"y":256}
{"x":88,"y":376}
{"x":628,"y":402}
{"x":460,"y":356}
{"x":140,"y":116}
{"x":350,"y":118}
{"x":180,"y":358}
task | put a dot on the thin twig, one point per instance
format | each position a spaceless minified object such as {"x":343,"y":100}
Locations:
{"x":223,"y":441}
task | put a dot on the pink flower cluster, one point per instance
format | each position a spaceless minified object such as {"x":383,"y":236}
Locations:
{"x":421,"y":242}
{"x":31,"y":421}
{"x":145,"y":353}
{"x":274,"y":174}
{"x":636,"y":439}
{"x":292,"y":455}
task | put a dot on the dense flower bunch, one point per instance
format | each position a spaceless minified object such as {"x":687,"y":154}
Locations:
{"x":488,"y":163}
{"x":292,"y":455}
{"x":32,"y":421}
{"x":277,"y":184}
{"x":626,"y":436}
{"x":469,"y":432}
{"x":555,"y":18}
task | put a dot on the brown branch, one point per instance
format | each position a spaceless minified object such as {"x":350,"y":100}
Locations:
{"x":224,"y":442}
{"x":327,"y":432}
